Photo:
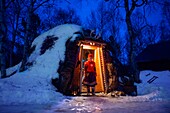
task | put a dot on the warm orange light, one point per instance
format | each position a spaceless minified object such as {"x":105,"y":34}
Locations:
{"x":89,"y":47}
{"x":91,"y":43}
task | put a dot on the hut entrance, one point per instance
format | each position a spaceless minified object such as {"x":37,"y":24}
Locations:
{"x":97,"y":51}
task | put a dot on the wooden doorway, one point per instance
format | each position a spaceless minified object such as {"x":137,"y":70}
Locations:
{"x":98,"y":59}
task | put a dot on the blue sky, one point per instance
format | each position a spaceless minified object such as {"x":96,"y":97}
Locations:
{"x":84,"y":8}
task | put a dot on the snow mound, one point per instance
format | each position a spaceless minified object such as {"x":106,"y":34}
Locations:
{"x":33,"y":86}
{"x":158,"y":89}
{"x":48,"y":63}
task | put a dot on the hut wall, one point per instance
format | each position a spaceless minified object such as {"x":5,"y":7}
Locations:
{"x":66,"y":69}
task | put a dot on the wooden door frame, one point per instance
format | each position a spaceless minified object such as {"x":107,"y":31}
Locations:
{"x":97,"y":52}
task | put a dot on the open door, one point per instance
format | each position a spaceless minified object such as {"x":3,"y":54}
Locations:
{"x":99,"y":61}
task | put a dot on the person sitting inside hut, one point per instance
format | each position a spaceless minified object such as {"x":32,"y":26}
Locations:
{"x":90,"y":74}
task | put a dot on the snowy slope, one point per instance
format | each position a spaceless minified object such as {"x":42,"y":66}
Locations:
{"x":159,"y":88}
{"x":48,"y":63}
{"x":34,"y":85}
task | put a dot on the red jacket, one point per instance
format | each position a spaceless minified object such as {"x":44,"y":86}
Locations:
{"x":90,"y":66}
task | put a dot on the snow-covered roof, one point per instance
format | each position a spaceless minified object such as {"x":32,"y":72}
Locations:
{"x":48,"y":63}
{"x":155,"y":52}
{"x":155,"y":57}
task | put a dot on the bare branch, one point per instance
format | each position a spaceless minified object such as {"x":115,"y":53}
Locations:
{"x":40,"y":5}
{"x":162,"y":3}
{"x":68,"y":1}
{"x":126,"y":2}
{"x":117,"y":5}
{"x":34,"y":1}
{"x":135,"y":2}
{"x":134,"y":5}
{"x":9,"y":3}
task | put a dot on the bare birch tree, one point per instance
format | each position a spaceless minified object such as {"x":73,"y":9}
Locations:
{"x":165,"y":22}
{"x":130,"y":6}
{"x":33,"y":6}
{"x":3,"y":33}
{"x":13,"y":13}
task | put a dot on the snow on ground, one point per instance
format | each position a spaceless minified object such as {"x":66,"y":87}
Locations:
{"x":108,"y":105}
{"x":153,"y":97}
{"x":159,"y":88}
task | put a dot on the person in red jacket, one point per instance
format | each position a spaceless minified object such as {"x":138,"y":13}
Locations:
{"x":90,"y":74}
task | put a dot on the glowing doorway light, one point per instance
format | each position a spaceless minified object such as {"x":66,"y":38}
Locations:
{"x":88,"y":47}
{"x":81,"y":44}
{"x":100,"y":69}
{"x":92,"y":44}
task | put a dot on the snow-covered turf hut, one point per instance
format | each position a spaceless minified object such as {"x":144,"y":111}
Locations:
{"x":155,"y":57}
{"x":60,"y":52}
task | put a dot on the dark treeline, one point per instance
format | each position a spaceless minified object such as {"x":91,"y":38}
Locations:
{"x":125,"y":24}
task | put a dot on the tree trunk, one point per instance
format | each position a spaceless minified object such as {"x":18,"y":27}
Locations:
{"x":26,"y":50}
{"x":12,"y":48}
{"x":133,"y":68}
{"x":26,"y":38}
{"x":132,"y":38}
{"x":2,"y":39}
{"x":14,"y":33}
